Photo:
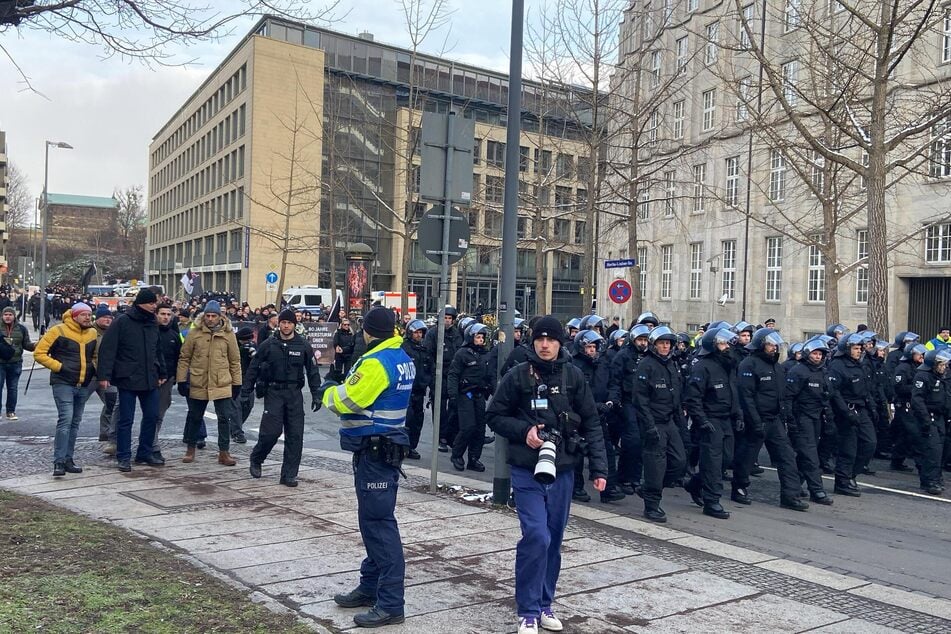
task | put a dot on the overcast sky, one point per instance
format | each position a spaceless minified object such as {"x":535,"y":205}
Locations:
{"x":109,"y":109}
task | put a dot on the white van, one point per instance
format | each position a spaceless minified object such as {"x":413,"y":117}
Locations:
{"x":309,"y":297}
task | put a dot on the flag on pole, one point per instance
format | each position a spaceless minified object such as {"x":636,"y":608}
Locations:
{"x":335,"y":311}
{"x":87,"y":276}
{"x":187,"y":283}
{"x":196,"y":285}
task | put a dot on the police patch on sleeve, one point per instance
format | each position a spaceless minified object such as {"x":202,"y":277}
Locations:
{"x":354,"y":378}
{"x":919,"y":384}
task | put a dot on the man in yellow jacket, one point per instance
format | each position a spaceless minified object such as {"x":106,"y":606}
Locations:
{"x":67,"y":350}
{"x":209,"y":369}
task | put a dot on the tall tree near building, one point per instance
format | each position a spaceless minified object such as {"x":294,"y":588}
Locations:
{"x":872,"y":67}
{"x":131,"y":220}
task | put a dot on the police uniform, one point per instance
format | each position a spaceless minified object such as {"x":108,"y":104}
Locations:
{"x":468,"y":386}
{"x":931,"y":408}
{"x":905,"y":428}
{"x":807,"y":395}
{"x":424,"y":376}
{"x":623,"y":374}
{"x":448,"y":421}
{"x":597,"y":372}
{"x":554,"y":394}
{"x":851,"y":400}
{"x":280,"y":365}
{"x":372,"y":404}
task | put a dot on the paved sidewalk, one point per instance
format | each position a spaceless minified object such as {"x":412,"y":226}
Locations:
{"x":297,"y":547}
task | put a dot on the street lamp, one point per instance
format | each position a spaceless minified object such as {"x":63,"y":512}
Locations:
{"x":46,"y":218}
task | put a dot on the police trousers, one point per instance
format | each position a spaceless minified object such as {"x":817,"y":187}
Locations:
{"x":804,"y":434}
{"x":470,"y":409}
{"x":415,"y":416}
{"x":664,"y":461}
{"x":383,"y":570}
{"x":630,"y":458}
{"x":856,"y":443}
{"x":748,"y":444}
{"x":712,"y":445}
{"x":448,"y":419}
{"x":283,"y":414}
{"x":930,"y":439}
{"x":904,"y":438}
{"x":609,"y":452}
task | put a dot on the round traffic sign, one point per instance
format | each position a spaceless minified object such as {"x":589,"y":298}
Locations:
{"x":271,"y":278}
{"x":619,"y":291}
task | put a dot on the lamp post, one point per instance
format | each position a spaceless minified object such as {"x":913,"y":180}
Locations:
{"x":46,"y":220}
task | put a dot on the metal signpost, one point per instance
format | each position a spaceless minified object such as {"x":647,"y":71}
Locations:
{"x":444,"y":137}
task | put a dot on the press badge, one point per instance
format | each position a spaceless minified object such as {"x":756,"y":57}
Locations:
{"x":539,"y":404}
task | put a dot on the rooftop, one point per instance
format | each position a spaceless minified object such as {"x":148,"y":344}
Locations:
{"x":74,"y":200}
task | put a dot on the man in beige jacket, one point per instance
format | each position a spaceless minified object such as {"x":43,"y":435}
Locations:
{"x":209,"y":369}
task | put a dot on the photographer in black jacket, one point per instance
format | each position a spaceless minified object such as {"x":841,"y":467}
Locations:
{"x":546,"y":404}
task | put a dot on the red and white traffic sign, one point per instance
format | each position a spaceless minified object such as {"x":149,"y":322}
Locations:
{"x":620,"y":291}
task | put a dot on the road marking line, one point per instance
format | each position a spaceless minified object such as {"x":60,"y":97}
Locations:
{"x":878,"y":487}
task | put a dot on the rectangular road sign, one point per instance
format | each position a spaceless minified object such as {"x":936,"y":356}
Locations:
{"x":620,"y":264}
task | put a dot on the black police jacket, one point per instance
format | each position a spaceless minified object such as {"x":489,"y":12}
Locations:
{"x":624,"y":373}
{"x":424,"y":364}
{"x":807,"y":390}
{"x":760,"y":386}
{"x":511,"y":415}
{"x":469,"y":372}
{"x":904,"y":379}
{"x":597,"y":374}
{"x":658,"y":391}
{"x":451,"y":344}
{"x":929,"y":395}
{"x":880,"y":387}
{"x":711,"y":389}
{"x":850,"y":385}
{"x":892,"y":361}
{"x":129,"y":354}
{"x":286,"y":361}
{"x":518,"y":355}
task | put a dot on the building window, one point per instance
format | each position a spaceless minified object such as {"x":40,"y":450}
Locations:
{"x":494,"y":189}
{"x":748,"y":15}
{"x":522,"y":158}
{"x":790,"y":75}
{"x":774,"y":268}
{"x":562,"y":229}
{"x":712,"y":46}
{"x":543,"y":162}
{"x":562,"y":196}
{"x":522,"y":230}
{"x":642,"y":262}
{"x":733,"y":181}
{"x":692,"y":5}
{"x":938,"y":244}
{"x":679,"y":117}
{"x":861,"y":273}
{"x":670,"y":194}
{"x":728,"y":279}
{"x":699,"y":178}
{"x":581,"y":198}
{"x":743,"y":99}
{"x":696,"y":269}
{"x":709,"y":109}
{"x":476,"y":151}
{"x":655,"y":69}
{"x":580,"y":231}
{"x":644,"y":201}
{"x":564,"y":167}
{"x":652,"y":128}
{"x":818,"y":171}
{"x":791,"y":16}
{"x":863,"y":179}
{"x":941,"y":149}
{"x":816,"y":291}
{"x":495,"y":153}
{"x":946,"y":38}
{"x":682,"y":55}
{"x":666,"y":269}
{"x":777,"y":176}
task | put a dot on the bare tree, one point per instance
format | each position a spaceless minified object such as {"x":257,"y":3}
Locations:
{"x":19,"y":213}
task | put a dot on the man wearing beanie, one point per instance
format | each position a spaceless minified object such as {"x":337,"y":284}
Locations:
{"x":372,"y":404}
{"x":67,"y":349}
{"x":209,"y":369}
{"x":281,"y":363}
{"x":109,"y":415}
{"x":17,"y":337}
{"x":130,"y":358}
{"x":545,"y":394}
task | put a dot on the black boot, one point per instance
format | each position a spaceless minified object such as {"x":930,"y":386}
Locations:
{"x":458,"y":463}
{"x":899,"y":465}
{"x":740,"y":496}
{"x":580,"y":495}
{"x":71,"y":466}
{"x":793,"y":504}
{"x":612,"y":494}
{"x":356,"y":598}
{"x":715,"y":510}
{"x":821,"y":497}
{"x":413,"y":454}
{"x":844,"y":487}
{"x":376,"y":617}
{"x":59,"y":469}
{"x":654,"y":513}
{"x":475,"y":465}
{"x":757,"y":470}
{"x":255,"y":470}
{"x":693,"y":488}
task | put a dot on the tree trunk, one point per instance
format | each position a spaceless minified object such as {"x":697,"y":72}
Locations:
{"x":541,"y":293}
{"x":876,"y":182}
{"x":830,"y":258}
{"x":636,"y":301}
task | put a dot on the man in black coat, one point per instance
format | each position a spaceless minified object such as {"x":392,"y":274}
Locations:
{"x":131,"y":358}
{"x":343,"y":343}
{"x":170,"y":343}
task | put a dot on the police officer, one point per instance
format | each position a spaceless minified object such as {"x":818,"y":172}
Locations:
{"x":648,"y":319}
{"x":372,"y":404}
{"x":469,"y":385}
{"x":448,"y":423}
{"x":713,"y":406}
{"x":807,"y":395}
{"x":931,"y":407}
{"x":572,"y":328}
{"x":623,"y":376}
{"x":793,"y":356}
{"x":546,"y":394}
{"x":594,"y":367}
{"x":658,"y":390}
{"x":413,"y":346}
{"x":905,"y":430}
{"x":282,"y":362}
{"x":760,"y":386}
{"x":492,"y":360}
{"x":851,"y":401}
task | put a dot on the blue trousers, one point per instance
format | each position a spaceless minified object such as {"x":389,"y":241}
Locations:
{"x":149,"y":401}
{"x":10,"y":374}
{"x":383,"y":570}
{"x":543,"y":514}
{"x":70,"y":403}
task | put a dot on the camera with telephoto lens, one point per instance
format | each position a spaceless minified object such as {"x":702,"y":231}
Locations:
{"x":545,"y":471}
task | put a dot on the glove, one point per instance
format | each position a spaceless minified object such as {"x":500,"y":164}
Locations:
{"x":651,"y":436}
{"x":854,"y":419}
{"x":235,"y":391}
{"x":792,"y":425}
{"x":739,"y":424}
{"x":246,"y":397}
{"x":326,"y":385}
{"x":315,"y":403}
{"x":183,"y":388}
{"x":759,"y":429}
{"x":707,"y":426}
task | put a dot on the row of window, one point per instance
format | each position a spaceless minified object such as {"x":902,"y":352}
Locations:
{"x":216,"y":174}
{"x":231,"y":88}
{"x":218,"y":244}
{"x":227,"y":207}
{"x":564,"y":163}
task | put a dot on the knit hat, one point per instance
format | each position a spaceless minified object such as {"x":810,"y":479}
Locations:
{"x":78,"y":309}
{"x":244,"y":333}
{"x":379,"y":323}
{"x":287,"y":315}
{"x":212,"y":307}
{"x":548,"y":326}
{"x":145,"y":296}
{"x":102,"y":310}
{"x":10,"y":309}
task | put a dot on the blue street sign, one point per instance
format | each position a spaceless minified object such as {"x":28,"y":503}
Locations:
{"x":271,"y":278}
{"x":620,"y":264}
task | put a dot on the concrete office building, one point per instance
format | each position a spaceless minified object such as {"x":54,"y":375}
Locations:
{"x":221,"y":170}
{"x":696,"y":247}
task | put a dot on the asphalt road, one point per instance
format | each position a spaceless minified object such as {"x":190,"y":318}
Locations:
{"x":891,"y":535}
